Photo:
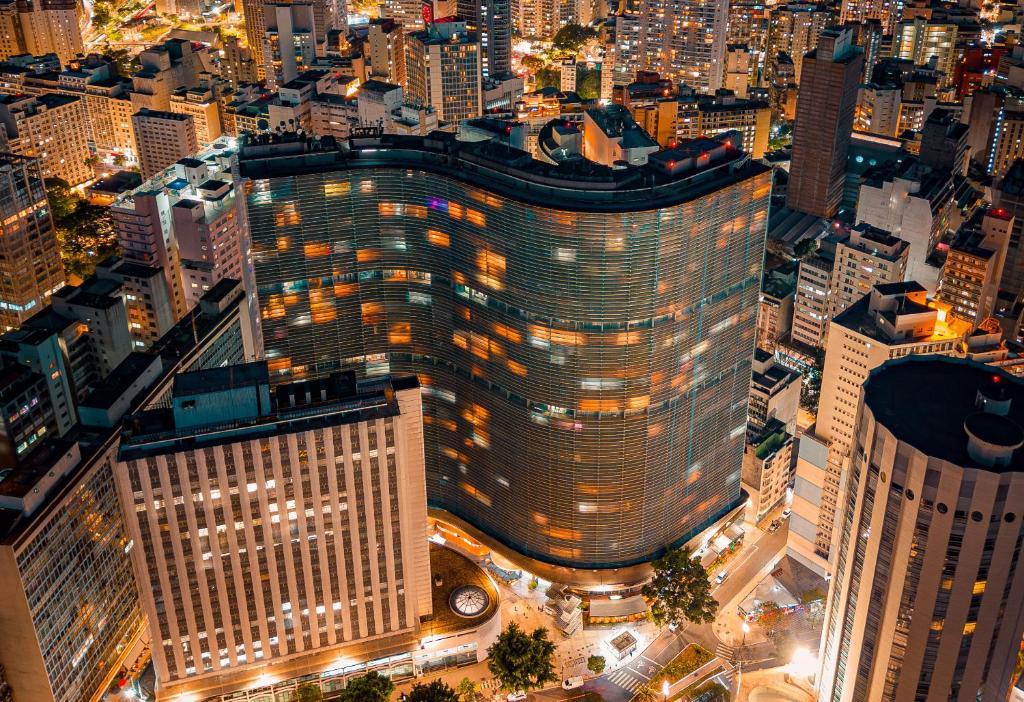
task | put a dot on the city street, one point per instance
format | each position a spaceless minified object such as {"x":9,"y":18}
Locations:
{"x":744,"y":572}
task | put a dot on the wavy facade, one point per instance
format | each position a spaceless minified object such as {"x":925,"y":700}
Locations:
{"x":583,"y":339}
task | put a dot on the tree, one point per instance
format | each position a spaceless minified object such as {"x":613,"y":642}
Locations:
{"x":467,"y":688}
{"x":522,"y":661}
{"x":532,"y":63}
{"x":372,"y":687}
{"x":680,"y":590}
{"x":307,"y":692}
{"x":771,"y":616}
{"x":595,"y":664}
{"x":805,"y":247}
{"x":589,"y":86}
{"x":85,"y":232}
{"x":548,"y":78}
{"x":434,"y":691}
{"x":571,"y":37}
{"x":810,"y":389}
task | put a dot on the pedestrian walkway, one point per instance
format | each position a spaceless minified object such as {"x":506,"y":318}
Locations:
{"x":725,"y":652}
{"x":627,"y":679}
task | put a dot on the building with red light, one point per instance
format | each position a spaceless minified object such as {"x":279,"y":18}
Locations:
{"x":976,"y":68}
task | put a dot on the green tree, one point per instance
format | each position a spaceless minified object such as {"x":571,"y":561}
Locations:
{"x":810,"y":389}
{"x":467,"y":688}
{"x":548,"y":78}
{"x":805,"y":247}
{"x":307,"y":692}
{"x":571,"y":37}
{"x":522,"y":661}
{"x":679,"y":589}
{"x":595,"y":664}
{"x":771,"y":617}
{"x":372,"y":687}
{"x":589,"y":85}
{"x":532,"y":63}
{"x":434,"y":691}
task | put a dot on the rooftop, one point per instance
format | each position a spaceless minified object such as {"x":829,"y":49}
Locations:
{"x":933,"y":421}
{"x":579,"y":186}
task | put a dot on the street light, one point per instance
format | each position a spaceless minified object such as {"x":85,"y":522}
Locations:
{"x":664,"y":689}
{"x":746,"y":630}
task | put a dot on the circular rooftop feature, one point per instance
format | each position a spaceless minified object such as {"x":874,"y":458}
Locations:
{"x":469,"y":601}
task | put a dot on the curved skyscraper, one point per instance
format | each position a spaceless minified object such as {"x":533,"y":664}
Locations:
{"x":583,"y":336}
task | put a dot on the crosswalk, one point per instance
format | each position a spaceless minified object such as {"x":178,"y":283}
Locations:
{"x":725,"y":652}
{"x":627,"y":679}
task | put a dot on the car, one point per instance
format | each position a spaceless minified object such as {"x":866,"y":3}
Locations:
{"x":672,"y":626}
{"x":786,"y":512}
{"x":572,"y":683}
{"x":517,"y":696}
{"x":774,"y":526}
{"x":720,"y":578}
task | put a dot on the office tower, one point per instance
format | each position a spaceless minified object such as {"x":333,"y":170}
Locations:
{"x":202,"y":106}
{"x":611,"y":136}
{"x":774,"y":393}
{"x":683,"y":41}
{"x":30,"y":266}
{"x":793,"y":30}
{"x":62,"y":524}
{"x":811,"y":301}
{"x":415,"y":240}
{"x":386,"y":42}
{"x":974,"y":266}
{"x":1008,"y":196}
{"x":238,"y":64}
{"x":51,"y":26}
{"x":226,"y":625}
{"x":767,"y":468}
{"x":866,"y":258}
{"x":944,"y":142}
{"x":824,"y":122}
{"x":491,"y":21}
{"x":12,"y":42}
{"x":894,"y":320}
{"x":922,"y":40}
{"x":255,"y":32}
{"x":1005,"y":143}
{"x":775,"y":306}
{"x":163,"y":138}
{"x":886,"y":12}
{"x":925,"y":602}
{"x":289,"y":41}
{"x":914,"y":203}
{"x":707,"y":115}
{"x":878,"y":109}
{"x":738,"y":70}
{"x":50,"y":128}
{"x":181,"y":233}
{"x":167,"y":67}
{"x":443,"y":70}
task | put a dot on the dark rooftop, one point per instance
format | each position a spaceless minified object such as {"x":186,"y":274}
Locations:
{"x":926,"y":400}
{"x":216,"y":379}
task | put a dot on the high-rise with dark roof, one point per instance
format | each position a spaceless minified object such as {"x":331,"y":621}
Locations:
{"x":583,"y":335}
{"x":825,"y":108}
{"x":927,"y":598}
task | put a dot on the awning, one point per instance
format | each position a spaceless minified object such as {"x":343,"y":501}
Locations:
{"x":618,"y":608}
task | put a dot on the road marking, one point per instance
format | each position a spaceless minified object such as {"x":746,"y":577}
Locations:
{"x":649,"y":660}
{"x":623,"y":678}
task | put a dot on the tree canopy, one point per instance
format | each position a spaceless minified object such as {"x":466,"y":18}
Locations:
{"x":680,"y":590}
{"x":522,"y":661}
{"x":588,"y":86}
{"x":434,"y":691}
{"x":596,"y":664}
{"x":372,"y":687}
{"x":571,"y":37}
{"x":85,"y":232}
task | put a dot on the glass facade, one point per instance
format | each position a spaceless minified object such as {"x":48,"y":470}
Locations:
{"x":584,"y":373}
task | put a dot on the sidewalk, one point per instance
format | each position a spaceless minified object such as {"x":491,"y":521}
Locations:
{"x":771,"y":686}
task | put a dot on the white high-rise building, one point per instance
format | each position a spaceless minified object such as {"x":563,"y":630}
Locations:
{"x":275,"y":531}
